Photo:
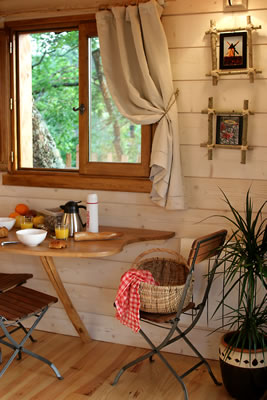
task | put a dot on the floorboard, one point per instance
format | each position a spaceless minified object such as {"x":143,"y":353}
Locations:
{"x":89,"y":369}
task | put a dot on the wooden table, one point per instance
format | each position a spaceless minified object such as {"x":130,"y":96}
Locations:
{"x":85,"y":249}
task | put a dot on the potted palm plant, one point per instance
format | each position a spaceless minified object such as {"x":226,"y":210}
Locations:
{"x":243,"y":349}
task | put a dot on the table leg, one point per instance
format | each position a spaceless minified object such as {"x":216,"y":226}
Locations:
{"x":56,"y":281}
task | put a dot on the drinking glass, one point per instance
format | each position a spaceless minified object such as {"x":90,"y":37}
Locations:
{"x":61,"y":231}
{"x":19,"y":220}
{"x":26,"y":222}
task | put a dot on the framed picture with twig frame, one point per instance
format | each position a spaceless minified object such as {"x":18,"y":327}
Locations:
{"x":235,"y":55}
{"x":229,"y":130}
{"x":233,"y":50}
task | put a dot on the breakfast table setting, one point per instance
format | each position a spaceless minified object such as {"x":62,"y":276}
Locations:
{"x":43,"y":243}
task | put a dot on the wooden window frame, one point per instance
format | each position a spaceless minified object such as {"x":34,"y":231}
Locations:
{"x":4,"y":101}
{"x":96,"y":176}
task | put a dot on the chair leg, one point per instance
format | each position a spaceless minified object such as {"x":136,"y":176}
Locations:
{"x":26,"y":331}
{"x":149,"y":355}
{"x":51,"y":365}
{"x":5,"y":367}
{"x":203,"y":360}
{"x":163,"y":359}
{"x":18,"y":347}
{"x":131,"y":364}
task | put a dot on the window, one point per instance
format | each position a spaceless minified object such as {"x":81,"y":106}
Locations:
{"x":48,"y":88}
{"x":66,"y":130}
{"x":4,"y":105}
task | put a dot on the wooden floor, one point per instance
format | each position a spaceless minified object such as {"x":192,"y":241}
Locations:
{"x":89,"y":370}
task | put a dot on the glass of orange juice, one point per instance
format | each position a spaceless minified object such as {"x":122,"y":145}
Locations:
{"x":61,"y":231}
{"x":26,"y":223}
{"x":19,"y":220}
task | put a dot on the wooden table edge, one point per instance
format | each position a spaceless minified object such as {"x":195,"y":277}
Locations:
{"x":131,"y":235}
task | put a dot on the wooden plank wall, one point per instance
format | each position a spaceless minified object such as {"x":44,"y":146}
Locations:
{"x":92,"y":284}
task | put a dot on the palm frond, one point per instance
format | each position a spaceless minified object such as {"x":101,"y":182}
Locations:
{"x":244,"y":258}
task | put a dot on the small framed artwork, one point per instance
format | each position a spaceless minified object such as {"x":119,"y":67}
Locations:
{"x":233,"y":50}
{"x":229,"y":130}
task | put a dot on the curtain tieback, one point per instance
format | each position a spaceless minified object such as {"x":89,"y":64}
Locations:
{"x":170,"y":103}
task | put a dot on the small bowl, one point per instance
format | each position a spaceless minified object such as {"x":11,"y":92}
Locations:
{"x":7,"y":222}
{"x":31,"y":237}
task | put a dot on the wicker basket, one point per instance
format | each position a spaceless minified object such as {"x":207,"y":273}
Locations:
{"x":171,"y":275}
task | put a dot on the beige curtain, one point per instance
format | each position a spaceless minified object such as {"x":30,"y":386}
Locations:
{"x":136,"y":65}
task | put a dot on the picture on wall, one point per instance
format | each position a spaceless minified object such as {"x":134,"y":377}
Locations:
{"x":233,"y":50}
{"x":229,"y":129}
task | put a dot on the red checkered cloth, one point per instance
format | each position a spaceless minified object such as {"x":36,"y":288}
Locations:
{"x":127,"y":301}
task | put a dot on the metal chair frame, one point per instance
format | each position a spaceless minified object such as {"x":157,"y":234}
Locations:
{"x":31,"y":306}
{"x":195,"y":257}
{"x":19,"y":348}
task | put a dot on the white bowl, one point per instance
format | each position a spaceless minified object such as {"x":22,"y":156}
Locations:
{"x":7,"y":222}
{"x":31,"y":237}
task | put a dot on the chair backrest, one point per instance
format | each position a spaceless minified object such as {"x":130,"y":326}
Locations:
{"x":206,"y":247}
{"x":9,"y":281}
{"x":202,"y":249}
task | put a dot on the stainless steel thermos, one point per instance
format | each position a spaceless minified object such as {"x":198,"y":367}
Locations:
{"x":72,"y":217}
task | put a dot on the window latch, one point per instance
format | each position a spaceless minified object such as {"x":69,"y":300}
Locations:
{"x":81,"y":108}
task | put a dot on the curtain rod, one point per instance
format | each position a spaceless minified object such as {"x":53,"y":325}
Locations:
{"x":130,"y":3}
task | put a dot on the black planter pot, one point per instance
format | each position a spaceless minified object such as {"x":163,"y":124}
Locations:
{"x":243,"y":378}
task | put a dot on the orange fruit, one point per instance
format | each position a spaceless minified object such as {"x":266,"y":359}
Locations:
{"x":13,"y":214}
{"x":38,"y":220}
{"x":22,"y":209}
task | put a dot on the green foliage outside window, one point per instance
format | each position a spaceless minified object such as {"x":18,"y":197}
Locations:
{"x":55,"y":90}
{"x":55,"y":86}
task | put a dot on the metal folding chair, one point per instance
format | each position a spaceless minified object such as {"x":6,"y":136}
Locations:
{"x":17,"y":304}
{"x":203,"y":248}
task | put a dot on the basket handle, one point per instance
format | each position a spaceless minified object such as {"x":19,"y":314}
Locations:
{"x":158,"y":250}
